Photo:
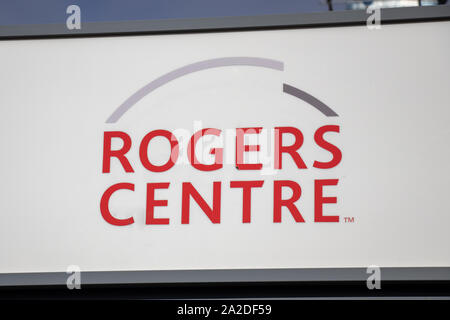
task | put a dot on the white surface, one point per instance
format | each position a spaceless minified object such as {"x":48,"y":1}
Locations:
{"x":389,"y":86}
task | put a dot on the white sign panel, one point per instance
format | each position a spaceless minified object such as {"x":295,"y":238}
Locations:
{"x":308,"y":148}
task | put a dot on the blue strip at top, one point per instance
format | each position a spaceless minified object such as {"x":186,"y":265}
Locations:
{"x":20,"y":12}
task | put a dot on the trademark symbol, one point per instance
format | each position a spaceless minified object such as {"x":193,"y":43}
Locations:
{"x":349,"y":219}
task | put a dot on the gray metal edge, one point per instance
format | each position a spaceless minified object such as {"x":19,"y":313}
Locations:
{"x":332,"y":18}
{"x":227,"y":276}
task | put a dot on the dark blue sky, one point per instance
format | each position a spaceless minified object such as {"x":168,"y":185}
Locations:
{"x":54,"y":11}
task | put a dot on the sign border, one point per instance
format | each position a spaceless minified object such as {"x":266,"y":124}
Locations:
{"x":225,"y":24}
{"x":221,"y":24}
{"x":227,"y":276}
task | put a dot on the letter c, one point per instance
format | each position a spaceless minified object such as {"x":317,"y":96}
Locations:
{"x":104,"y":205}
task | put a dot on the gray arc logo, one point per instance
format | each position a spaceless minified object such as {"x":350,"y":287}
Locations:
{"x":216,"y":63}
